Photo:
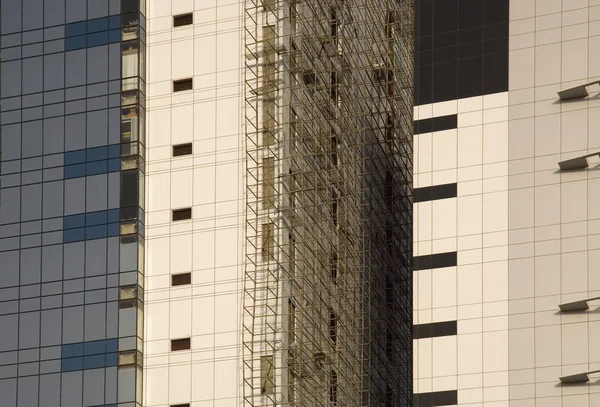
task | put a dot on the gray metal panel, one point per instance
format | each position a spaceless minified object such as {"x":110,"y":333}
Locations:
{"x":50,"y":390}
{"x":75,"y":132}
{"x":97,"y":64}
{"x":96,"y":193}
{"x":71,"y":389}
{"x":76,"y":10}
{"x":95,"y":257}
{"x":33,"y":76}
{"x":31,"y":205}
{"x":54,"y":71}
{"x":32,"y":139}
{"x":93,"y":387}
{"x":97,"y":8}
{"x":54,"y":12}
{"x":73,"y":324}
{"x":75,"y":63}
{"x":9,"y":334}
{"x":74,"y":260}
{"x":10,"y":269}
{"x":11,"y":17}
{"x":51,"y":327}
{"x":31,"y":263}
{"x":52,"y":263}
{"x":33,"y":14}
{"x":74,"y":196}
{"x":29,"y":330}
{"x":97,"y":128}
{"x":11,"y":142}
{"x":28,"y":391}
{"x":95,"y":322}
{"x":8,"y":392}
{"x":53,"y":199}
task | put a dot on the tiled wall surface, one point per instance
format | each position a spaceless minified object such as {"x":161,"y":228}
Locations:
{"x":210,"y":182}
{"x":525,"y":234}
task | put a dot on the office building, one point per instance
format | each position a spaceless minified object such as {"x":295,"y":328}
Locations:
{"x":505,"y":222}
{"x":206,"y":203}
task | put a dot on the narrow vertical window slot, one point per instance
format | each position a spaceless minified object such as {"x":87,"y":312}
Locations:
{"x":268,"y":240}
{"x":267,"y":375}
{"x":268,"y":183}
{"x":269,"y":77}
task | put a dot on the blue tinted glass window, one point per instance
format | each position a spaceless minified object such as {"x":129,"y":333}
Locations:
{"x":98,"y":24}
{"x":93,"y":362}
{"x":75,"y":349}
{"x":114,"y":36}
{"x":95,"y":232}
{"x":73,"y":221}
{"x":95,"y":218}
{"x":75,"y":29}
{"x":74,"y":43}
{"x":111,"y":359}
{"x":112,"y":345}
{"x":113,"y":215}
{"x":94,"y":40}
{"x":73,"y":235}
{"x":113,"y":229}
{"x":114,"y":164}
{"x":69,"y":365}
{"x":75,"y":157}
{"x":114,"y":151}
{"x":114,"y":22}
{"x":75,"y":171}
{"x":95,"y":347}
{"x":97,"y":167}
{"x":95,"y":154}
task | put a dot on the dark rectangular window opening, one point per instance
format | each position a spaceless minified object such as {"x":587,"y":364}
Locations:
{"x":389,"y":397}
{"x":182,"y":149}
{"x":334,"y":268}
{"x":439,"y":123}
{"x":182,"y":214}
{"x":181,"y":279}
{"x":183,"y":19}
{"x":182,"y":84}
{"x":333,"y":86}
{"x":180,"y":344}
{"x":333,"y":24}
{"x":389,"y":293}
{"x":435,"y":192}
{"x":389,"y":344}
{"x":333,"y":389}
{"x":434,"y":261}
{"x":180,"y":405}
{"x":435,"y":329}
{"x":332,"y":327}
{"x":438,"y":398}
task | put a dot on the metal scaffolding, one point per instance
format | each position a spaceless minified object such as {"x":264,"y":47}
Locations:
{"x":328,"y":282}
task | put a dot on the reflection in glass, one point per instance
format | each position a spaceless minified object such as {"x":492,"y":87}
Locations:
{"x":129,"y":122}
{"x":128,"y":292}
{"x":129,"y":98}
{"x":129,"y":59}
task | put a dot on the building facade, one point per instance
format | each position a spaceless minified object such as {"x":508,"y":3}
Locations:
{"x":504,"y":235}
{"x":206,"y":203}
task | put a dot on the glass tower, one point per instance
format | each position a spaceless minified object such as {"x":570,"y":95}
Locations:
{"x":206,"y":203}
{"x":72,"y":202}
